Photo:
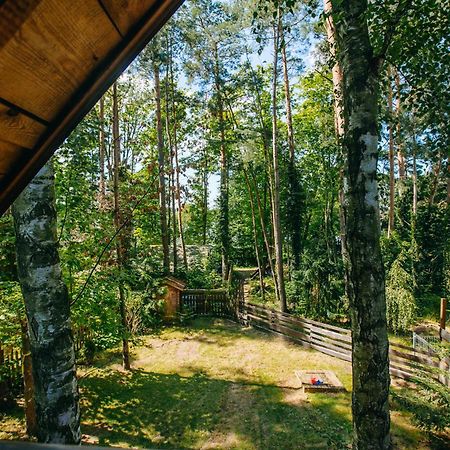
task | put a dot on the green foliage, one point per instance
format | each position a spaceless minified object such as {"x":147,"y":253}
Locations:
{"x":7,"y":249}
{"x":12,"y":311}
{"x":401,"y":306}
{"x":429,"y":403}
{"x":198,"y":278}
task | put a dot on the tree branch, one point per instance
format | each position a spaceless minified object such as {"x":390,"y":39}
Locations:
{"x":402,"y":7}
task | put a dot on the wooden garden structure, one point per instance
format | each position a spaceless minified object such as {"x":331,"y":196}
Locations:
{"x":172,"y":298}
{"x":57,"y":58}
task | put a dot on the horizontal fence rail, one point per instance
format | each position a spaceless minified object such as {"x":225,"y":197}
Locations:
{"x":405,"y":361}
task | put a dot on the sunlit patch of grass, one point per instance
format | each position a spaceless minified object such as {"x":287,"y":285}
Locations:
{"x":215,"y":385}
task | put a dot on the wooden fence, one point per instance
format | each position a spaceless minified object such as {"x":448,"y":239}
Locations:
{"x":405,"y":361}
{"x":203,"y":302}
{"x":10,"y":367}
{"x":11,"y":358}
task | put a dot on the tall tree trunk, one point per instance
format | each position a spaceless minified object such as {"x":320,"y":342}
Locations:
{"x":162,"y":180}
{"x":205,"y":198}
{"x":262,"y":221}
{"x":102,"y":149}
{"x":177,"y":167}
{"x":48,"y":312}
{"x":117,"y":223}
{"x":365,"y":281}
{"x":172,"y":165}
{"x":223,"y":201}
{"x":400,"y":155}
{"x":414,"y":174}
{"x":265,"y":136}
{"x":338,"y":85}
{"x":436,"y":173}
{"x":28,"y":382}
{"x":276,"y":173}
{"x":391,"y":163}
{"x":255,"y":235}
{"x":294,"y":200}
{"x":336,"y":71}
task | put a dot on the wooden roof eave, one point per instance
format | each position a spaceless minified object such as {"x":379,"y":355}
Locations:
{"x":85,"y":97}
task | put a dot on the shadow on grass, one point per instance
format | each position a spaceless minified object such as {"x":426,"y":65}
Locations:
{"x":156,"y":410}
{"x":170,"y":411}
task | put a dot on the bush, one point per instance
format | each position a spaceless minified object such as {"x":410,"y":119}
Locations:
{"x":429,"y":403}
{"x":401,"y":306}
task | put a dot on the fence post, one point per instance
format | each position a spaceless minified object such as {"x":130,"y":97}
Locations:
{"x":443,"y":316}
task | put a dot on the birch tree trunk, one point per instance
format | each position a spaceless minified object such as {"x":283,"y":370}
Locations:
{"x":365,"y":281}
{"x":276,"y":173}
{"x":48,"y":312}
{"x":28,"y":382}
{"x":162,"y":181}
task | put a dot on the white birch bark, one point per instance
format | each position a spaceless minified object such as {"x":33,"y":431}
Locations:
{"x":48,"y":312}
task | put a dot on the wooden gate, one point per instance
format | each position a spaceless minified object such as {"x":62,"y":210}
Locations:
{"x":203,"y":302}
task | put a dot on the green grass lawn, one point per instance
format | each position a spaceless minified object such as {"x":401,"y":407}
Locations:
{"x":214,"y":385}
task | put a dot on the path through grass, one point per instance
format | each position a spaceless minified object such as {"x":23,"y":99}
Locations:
{"x":214,"y":385}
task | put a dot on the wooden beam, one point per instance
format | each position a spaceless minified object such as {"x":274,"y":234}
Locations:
{"x":113,"y":23}
{"x":19,"y":129}
{"x":24,"y":112}
{"x":135,"y":10}
{"x":87,"y":95}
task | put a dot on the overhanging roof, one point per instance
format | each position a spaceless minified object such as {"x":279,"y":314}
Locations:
{"x":57,"y":58}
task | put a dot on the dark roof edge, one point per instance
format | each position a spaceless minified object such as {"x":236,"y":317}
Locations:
{"x":87,"y":96}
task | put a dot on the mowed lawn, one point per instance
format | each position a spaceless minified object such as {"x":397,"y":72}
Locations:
{"x":215,"y":385}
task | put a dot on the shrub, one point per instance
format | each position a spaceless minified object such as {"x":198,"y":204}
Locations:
{"x":401,"y":306}
{"x":429,"y":403}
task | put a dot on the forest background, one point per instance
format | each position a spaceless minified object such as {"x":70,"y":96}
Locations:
{"x":177,"y":159}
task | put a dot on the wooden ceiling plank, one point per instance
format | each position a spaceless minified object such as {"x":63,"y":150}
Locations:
{"x":57,"y":47}
{"x":99,"y":80}
{"x":10,"y":155}
{"x":135,"y":10}
{"x":19,"y":129}
{"x":12,"y":14}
